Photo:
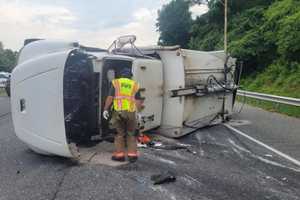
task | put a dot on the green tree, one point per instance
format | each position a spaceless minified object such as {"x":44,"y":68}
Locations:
{"x":7,"y":59}
{"x":265,"y":34}
{"x":174,"y":23}
{"x":247,"y":41}
{"x":282,"y":27}
{"x":246,"y":36}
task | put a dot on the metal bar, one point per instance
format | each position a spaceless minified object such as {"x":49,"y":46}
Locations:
{"x":225,"y":25}
{"x":183,"y":92}
{"x":269,"y":97}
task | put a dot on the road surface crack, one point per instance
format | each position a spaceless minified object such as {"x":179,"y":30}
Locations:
{"x":60,"y":183}
{"x":4,"y":115}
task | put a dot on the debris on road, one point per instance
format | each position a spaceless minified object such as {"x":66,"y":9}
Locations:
{"x":284,"y":179}
{"x":166,"y":177}
{"x":162,"y":146}
{"x":143,"y":139}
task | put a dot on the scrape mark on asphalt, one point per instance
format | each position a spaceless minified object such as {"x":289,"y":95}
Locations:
{"x":164,"y":191}
{"x":180,"y":156}
{"x":238,"y":152}
{"x":287,"y":157}
{"x":282,"y":195}
{"x":191,"y":180}
{"x":239,"y":122}
{"x":236,"y":146}
{"x":155,"y":157}
{"x":199,"y":139}
{"x":275,"y":163}
{"x":4,"y":115}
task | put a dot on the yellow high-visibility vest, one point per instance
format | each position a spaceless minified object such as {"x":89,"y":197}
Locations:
{"x":125,"y":90}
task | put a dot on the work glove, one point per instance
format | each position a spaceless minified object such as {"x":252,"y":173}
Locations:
{"x":140,"y":121}
{"x":105,"y":114}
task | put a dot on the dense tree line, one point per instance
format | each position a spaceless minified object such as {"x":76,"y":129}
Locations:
{"x":174,"y":30}
{"x":265,"y":34}
{"x":7,"y":59}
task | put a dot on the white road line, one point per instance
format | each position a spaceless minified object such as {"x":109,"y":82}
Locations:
{"x":293,"y":160}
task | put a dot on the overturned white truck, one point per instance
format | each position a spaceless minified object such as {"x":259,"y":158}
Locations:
{"x":58,"y":90}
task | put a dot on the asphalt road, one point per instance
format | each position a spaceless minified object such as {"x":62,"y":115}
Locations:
{"x":4,"y":106}
{"x":226,"y":166}
{"x":279,"y":131}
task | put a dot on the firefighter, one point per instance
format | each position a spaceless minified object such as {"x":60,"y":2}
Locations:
{"x":125,"y":96}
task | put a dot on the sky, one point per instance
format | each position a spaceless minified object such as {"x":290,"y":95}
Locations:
{"x":94,"y":23}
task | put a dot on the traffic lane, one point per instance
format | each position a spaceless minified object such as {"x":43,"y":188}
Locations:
{"x":24,"y":174}
{"x":279,"y":131}
{"x":224,"y":167}
{"x":4,"y":105}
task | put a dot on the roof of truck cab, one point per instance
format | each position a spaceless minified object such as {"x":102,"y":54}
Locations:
{"x":159,"y":48}
{"x":105,"y":55}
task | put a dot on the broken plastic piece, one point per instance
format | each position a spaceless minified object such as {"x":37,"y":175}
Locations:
{"x":143,"y":139}
{"x":157,"y":144}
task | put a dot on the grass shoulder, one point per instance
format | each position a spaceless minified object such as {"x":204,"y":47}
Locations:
{"x":289,"y":110}
{"x":2,"y":92}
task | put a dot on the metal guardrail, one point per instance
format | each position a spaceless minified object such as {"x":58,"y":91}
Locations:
{"x":269,"y":97}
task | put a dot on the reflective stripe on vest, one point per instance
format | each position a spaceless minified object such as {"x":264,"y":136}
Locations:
{"x":125,"y":90}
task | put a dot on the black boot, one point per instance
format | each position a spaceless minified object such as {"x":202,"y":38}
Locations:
{"x":132,"y":159}
{"x":119,"y":159}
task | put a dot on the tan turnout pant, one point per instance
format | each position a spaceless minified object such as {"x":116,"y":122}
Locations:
{"x":125,"y":124}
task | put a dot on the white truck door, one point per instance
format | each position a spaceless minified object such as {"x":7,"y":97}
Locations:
{"x":37,"y":103}
{"x":149,"y":74}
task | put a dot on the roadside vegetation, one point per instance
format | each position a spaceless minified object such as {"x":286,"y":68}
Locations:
{"x":2,"y":92}
{"x":8,"y":59}
{"x":292,"y":111}
{"x":264,"y":34}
